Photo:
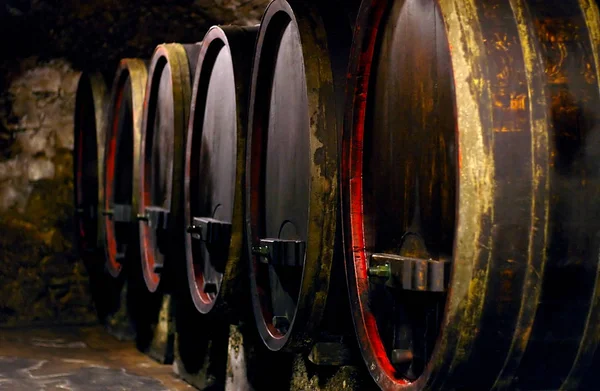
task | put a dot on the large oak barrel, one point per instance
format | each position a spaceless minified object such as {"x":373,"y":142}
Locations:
{"x":88,"y":160}
{"x":564,"y":340}
{"x":162,"y":158}
{"x":123,"y":135}
{"x":291,"y":173}
{"x":445,"y":188}
{"x":215,"y":167}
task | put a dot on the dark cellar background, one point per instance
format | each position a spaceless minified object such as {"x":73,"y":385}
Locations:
{"x":44,"y":46}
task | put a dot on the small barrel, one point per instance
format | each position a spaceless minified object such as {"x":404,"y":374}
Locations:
{"x":162,"y":159}
{"x":444,"y":180}
{"x":291,"y":173}
{"x":215,"y":168}
{"x":88,"y":160}
{"x":123,"y":137}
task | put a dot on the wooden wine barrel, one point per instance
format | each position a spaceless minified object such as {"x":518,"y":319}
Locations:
{"x":291,"y":173}
{"x":214,"y":170}
{"x":88,"y":160}
{"x":123,"y":137}
{"x":162,"y":158}
{"x":445,"y":179}
{"x":564,"y":339}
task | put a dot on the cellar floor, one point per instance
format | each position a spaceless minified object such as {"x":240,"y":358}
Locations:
{"x":78,"y":359}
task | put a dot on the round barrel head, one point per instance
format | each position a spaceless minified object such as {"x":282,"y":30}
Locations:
{"x":211,"y":172}
{"x":119,"y":158}
{"x":443,"y":152}
{"x":121,"y":154}
{"x":283,"y":160}
{"x":290,"y":175}
{"x":161,"y":161}
{"x":158,"y":170}
{"x":409,"y":175}
{"x":88,"y":156}
{"x":162,"y":154}
{"x":287,"y":168}
{"x":287,"y":174}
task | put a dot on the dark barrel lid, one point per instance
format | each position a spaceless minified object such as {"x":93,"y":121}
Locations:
{"x":166,"y":110}
{"x":88,"y":159}
{"x":291,"y":189}
{"x":121,"y":156}
{"x":215,"y":164}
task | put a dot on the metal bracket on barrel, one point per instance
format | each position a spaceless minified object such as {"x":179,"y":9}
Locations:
{"x":216,"y":234}
{"x":211,"y":231}
{"x":280,"y":252}
{"x":120,"y":213}
{"x":157,"y":219}
{"x":120,"y":257}
{"x":412,"y":274}
{"x":81,"y":209}
{"x":284,"y":253}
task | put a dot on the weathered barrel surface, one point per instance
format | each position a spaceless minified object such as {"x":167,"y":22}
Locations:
{"x":215,"y":167}
{"x":123,"y":135}
{"x":469,"y":181}
{"x":445,"y":177}
{"x":162,"y":156}
{"x":566,"y":330}
{"x":88,"y":159}
{"x":291,"y":174}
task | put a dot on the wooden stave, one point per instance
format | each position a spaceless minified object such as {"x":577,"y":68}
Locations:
{"x":96,"y":84}
{"x":572,"y":275}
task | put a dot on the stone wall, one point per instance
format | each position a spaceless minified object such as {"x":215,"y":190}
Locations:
{"x":45,"y":46}
{"x":40,"y":279}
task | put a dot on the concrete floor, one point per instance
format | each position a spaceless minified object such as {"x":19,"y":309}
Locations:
{"x":78,"y":359}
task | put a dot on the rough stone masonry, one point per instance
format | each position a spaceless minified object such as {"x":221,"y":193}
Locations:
{"x":41,"y":280}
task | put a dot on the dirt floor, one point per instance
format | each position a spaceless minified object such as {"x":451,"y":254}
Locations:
{"x":78,"y":359}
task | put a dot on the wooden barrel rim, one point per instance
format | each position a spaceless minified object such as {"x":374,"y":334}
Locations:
{"x":466,"y":302}
{"x":96,"y":85}
{"x":175,"y":57}
{"x":133,"y":73}
{"x":323,"y":186}
{"x":239,"y":42}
